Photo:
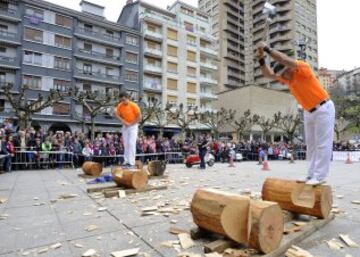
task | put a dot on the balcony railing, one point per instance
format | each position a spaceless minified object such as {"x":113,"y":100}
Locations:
{"x":208,"y":95}
{"x":153,"y":51}
{"x":9,"y":12}
{"x":99,"y":55}
{"x":208,"y":50}
{"x":152,"y":86}
{"x":150,"y":33}
{"x":153,"y":68}
{"x":208,"y":80}
{"x":96,"y":75}
{"x":9,"y":35}
{"x":98,"y":35}
{"x":209,"y":65}
{"x":7,"y":60}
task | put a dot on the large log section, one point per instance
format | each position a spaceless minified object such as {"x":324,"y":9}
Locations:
{"x":298,"y":197}
{"x":258,"y":224}
{"x":134,"y":178}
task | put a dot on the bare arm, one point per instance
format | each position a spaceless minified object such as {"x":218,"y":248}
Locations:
{"x":266,"y":70}
{"x":279,"y":56}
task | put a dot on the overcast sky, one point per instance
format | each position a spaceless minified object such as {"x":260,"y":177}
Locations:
{"x":338,"y":28}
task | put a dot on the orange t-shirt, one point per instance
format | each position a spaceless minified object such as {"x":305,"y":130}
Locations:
{"x":128,"y":112}
{"x":305,"y":87}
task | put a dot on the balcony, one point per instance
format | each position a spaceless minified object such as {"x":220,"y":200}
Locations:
{"x":153,"y":68}
{"x":208,"y":65}
{"x":97,"y":56}
{"x":208,"y":95}
{"x":9,"y":37}
{"x":207,"y":36}
{"x":207,"y":109}
{"x":155,"y":52}
{"x":153,"y":35}
{"x":9,"y":62}
{"x":151,"y":86}
{"x":286,"y":37}
{"x":207,"y":80}
{"x":233,"y":83}
{"x":10,"y":14}
{"x":98,"y":36}
{"x":98,"y":77}
{"x":209,"y":51}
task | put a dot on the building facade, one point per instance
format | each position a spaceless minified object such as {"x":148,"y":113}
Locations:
{"x":46,"y":46}
{"x":348,"y":83}
{"x":180,"y":62}
{"x":239,"y":26}
{"x":328,"y":78}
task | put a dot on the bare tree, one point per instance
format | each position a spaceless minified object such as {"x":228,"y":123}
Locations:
{"x":95,"y":103}
{"x":266,"y":124}
{"x":160,"y":120}
{"x":288,"y":123}
{"x":242,"y":124}
{"x":148,"y":109}
{"x":214,"y":120}
{"x":24,"y":108}
{"x":182,"y":116}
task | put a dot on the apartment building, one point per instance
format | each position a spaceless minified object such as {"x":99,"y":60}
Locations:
{"x":46,"y":46}
{"x":180,"y":63}
{"x":292,"y":31}
{"x":348,"y":83}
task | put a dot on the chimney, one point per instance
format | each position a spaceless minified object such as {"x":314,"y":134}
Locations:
{"x":91,"y":8}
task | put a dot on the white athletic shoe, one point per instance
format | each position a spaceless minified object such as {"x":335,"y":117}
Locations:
{"x":303,"y":180}
{"x":314,"y":182}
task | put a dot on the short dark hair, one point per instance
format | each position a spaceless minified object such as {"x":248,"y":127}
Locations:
{"x":124,"y":94}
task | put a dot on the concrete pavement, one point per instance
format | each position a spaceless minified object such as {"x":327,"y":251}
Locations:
{"x":34,"y":218}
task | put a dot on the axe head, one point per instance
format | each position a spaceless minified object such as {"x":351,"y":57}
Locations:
{"x":269,"y":9}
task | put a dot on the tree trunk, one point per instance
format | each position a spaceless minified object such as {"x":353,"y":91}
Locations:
{"x":134,"y":178}
{"x":92,"y":128}
{"x":258,"y":224}
{"x":92,"y":168}
{"x":161,"y":132}
{"x":23,"y":121}
{"x":298,"y":197}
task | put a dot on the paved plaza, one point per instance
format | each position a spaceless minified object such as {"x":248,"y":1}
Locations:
{"x":34,"y":218}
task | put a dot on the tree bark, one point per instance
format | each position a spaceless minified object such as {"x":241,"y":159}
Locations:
{"x":92,"y":118}
{"x":134,"y":178}
{"x":317,"y":201}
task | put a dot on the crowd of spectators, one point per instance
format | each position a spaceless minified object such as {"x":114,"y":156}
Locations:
{"x":39,"y":149}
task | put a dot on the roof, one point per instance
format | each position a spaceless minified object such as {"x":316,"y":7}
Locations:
{"x":189,"y":6}
{"x":156,"y":8}
{"x":79,"y":14}
{"x":87,"y":2}
{"x":254,"y":86}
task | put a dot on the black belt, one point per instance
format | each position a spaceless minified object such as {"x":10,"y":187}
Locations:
{"x":321,"y":103}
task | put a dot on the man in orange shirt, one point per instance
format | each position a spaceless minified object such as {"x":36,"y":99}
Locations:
{"x":319,"y":110}
{"x":129,"y":114}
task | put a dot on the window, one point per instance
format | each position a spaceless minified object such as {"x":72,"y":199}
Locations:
{"x":172,"y":67}
{"x":151,"y":27}
{"x":87,"y":69}
{"x":109,"y":52}
{"x":186,"y":11}
{"x":153,"y":45}
{"x":4,"y":5}
{"x":109,"y":33}
{"x":63,"y":21}
{"x":88,"y":28}
{"x":172,"y":34}
{"x":172,"y":51}
{"x":2,"y":105}
{"x":189,"y":26}
{"x":172,"y":100}
{"x":172,"y":84}
{"x":32,"y":58}
{"x":191,"y":102}
{"x":61,"y":63}
{"x":131,"y":40}
{"x":191,"y":88}
{"x":61,"y":41}
{"x":131,"y":75}
{"x":2,"y":78}
{"x":2,"y":49}
{"x":88,"y":47}
{"x":34,"y":35}
{"x":34,"y":14}
{"x":61,"y":108}
{"x":33,"y":82}
{"x":131,"y":58}
{"x":191,"y":71}
{"x":191,"y":56}
{"x":109,"y":71}
{"x":3,"y":27}
{"x":87,"y":87}
{"x":191,"y":40}
{"x":61,"y":85}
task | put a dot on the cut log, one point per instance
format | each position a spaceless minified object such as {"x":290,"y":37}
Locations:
{"x":156,"y":168}
{"x":130,"y":178}
{"x":267,"y":226}
{"x":92,"y":168}
{"x":258,"y":224}
{"x":281,"y":191}
{"x":223,"y":213}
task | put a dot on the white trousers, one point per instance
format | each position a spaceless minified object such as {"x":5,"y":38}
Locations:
{"x":319,"y":135}
{"x":129,"y":134}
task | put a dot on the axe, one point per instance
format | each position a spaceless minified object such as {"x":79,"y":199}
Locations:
{"x":269,"y":11}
